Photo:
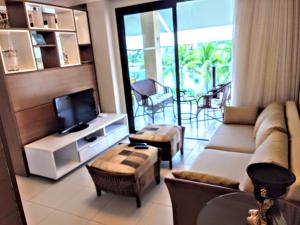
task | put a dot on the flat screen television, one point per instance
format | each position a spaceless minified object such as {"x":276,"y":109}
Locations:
{"x":75,"y":110}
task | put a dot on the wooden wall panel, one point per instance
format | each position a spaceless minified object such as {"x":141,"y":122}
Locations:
{"x":37,"y":88}
{"x":36,"y":123}
{"x":10,"y":128}
{"x":11,"y":211}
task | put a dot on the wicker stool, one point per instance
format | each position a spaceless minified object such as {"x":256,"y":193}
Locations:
{"x":126,"y":171}
{"x":168,"y":138}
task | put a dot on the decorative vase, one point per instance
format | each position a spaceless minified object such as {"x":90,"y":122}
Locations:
{"x":66,"y":58}
{"x":11,"y":60}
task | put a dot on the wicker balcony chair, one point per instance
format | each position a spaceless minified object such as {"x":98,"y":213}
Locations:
{"x":209,"y":102}
{"x":147,"y":97}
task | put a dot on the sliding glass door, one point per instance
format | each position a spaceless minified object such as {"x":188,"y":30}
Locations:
{"x":150,"y":49}
{"x":205,"y":52}
{"x":148,"y":53}
{"x":172,"y":54}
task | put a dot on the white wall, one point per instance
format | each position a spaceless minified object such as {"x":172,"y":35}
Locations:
{"x":107,"y":55}
{"x":99,"y":15}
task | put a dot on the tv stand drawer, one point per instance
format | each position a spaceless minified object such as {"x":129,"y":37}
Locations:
{"x":92,"y":150}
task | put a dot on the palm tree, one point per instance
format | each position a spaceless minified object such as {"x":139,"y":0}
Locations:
{"x":196,"y":61}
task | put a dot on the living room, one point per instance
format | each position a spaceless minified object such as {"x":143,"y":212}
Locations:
{"x":149,"y":112}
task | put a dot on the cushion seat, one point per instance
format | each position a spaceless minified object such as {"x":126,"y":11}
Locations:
{"x":123,"y":159}
{"x":169,"y":138}
{"x":231,"y":165}
{"x":125,"y":170}
{"x":234,"y":138}
{"x":160,"y":98}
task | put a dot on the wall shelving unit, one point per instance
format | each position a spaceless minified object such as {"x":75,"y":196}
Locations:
{"x":16,"y":51}
{"x":67,"y":48}
{"x":81,"y":22}
{"x":40,"y":16}
{"x":39,"y":75}
{"x":64,"y":33}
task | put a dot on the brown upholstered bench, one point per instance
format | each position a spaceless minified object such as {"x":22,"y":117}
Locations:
{"x":126,"y":171}
{"x":169,"y":138}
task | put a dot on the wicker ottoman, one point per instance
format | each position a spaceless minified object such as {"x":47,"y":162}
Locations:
{"x":125,"y":170}
{"x":168,"y":138}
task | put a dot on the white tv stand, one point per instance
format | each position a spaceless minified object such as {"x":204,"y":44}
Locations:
{"x":56,"y":155}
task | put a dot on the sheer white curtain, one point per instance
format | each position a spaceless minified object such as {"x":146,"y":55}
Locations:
{"x":266,"y":57}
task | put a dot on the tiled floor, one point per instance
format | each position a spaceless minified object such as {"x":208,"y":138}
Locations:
{"x":73,"y":200}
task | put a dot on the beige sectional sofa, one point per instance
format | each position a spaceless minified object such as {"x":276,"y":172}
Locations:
{"x":244,"y":138}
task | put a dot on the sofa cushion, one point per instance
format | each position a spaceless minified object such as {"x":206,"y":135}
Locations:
{"x":294,"y":190}
{"x":292,"y":116}
{"x":231,"y":165}
{"x":240,"y":115}
{"x":294,"y":131}
{"x":159,"y":98}
{"x":275,"y":121}
{"x":232,"y":137}
{"x":206,"y":178}
{"x":273,"y":150}
{"x":274,"y":107}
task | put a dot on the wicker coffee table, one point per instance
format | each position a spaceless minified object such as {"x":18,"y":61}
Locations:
{"x":126,"y":171}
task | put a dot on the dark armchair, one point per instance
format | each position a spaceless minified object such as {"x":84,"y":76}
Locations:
{"x":213,"y":101}
{"x":189,"y":197}
{"x":147,"y":96}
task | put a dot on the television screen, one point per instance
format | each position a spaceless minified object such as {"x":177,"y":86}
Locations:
{"x":75,"y":109}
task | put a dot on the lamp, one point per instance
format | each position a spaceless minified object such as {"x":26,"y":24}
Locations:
{"x":270,"y":182}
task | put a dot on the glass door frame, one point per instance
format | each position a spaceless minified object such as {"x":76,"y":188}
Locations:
{"x":142,"y":8}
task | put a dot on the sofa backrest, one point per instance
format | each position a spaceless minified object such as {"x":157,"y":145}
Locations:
{"x":273,"y":150}
{"x":293,"y":122}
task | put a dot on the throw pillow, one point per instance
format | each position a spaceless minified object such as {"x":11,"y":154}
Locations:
{"x":275,"y":121}
{"x":275,"y":107}
{"x":206,"y":178}
{"x":240,"y":115}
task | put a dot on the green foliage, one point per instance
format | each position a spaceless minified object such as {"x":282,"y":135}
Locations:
{"x":195,"y":65}
{"x":196,"y":62}
{"x":136,"y":64}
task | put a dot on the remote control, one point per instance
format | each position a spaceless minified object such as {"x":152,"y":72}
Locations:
{"x":90,"y":139}
{"x":137,"y":144}
{"x":141,"y":147}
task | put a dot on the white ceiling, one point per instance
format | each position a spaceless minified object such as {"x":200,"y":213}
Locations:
{"x":65,"y":2}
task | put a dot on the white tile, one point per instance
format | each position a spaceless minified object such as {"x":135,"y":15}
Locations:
{"x":31,"y":186}
{"x":75,"y":200}
{"x":157,"y":215}
{"x":80,"y":177}
{"x":189,"y":144}
{"x":94,"y":223}
{"x":35,"y":213}
{"x":122,"y":211}
{"x":158,"y":194}
{"x":57,"y":194}
{"x":86,"y":203}
{"x":61,"y":218}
